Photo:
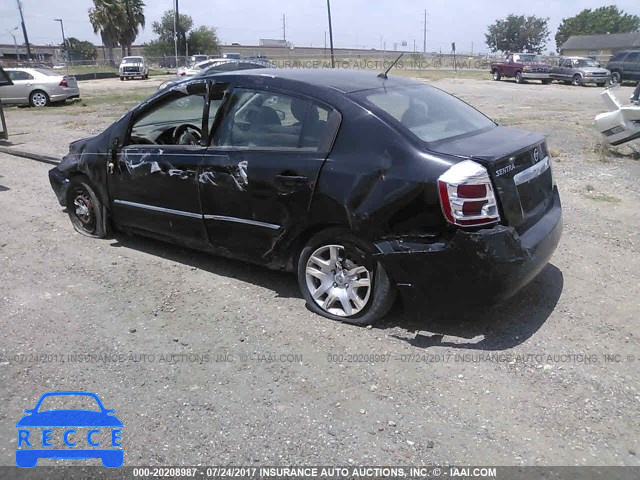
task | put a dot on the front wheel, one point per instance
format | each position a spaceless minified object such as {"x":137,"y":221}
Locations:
{"x":341,"y":280}
{"x":496,"y":75}
{"x":519,"y":78}
{"x":85,"y":209}
{"x":616,"y":78}
{"x":577,"y":80}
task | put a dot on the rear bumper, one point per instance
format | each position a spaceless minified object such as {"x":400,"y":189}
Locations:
{"x":482,"y":267}
{"x":62,"y":93}
{"x":60,"y":184}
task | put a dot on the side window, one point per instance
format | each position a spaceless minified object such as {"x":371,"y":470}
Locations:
{"x":633,"y":57}
{"x":272,"y":120}
{"x":19,"y":75}
{"x":568,"y":63}
{"x":176,"y":120}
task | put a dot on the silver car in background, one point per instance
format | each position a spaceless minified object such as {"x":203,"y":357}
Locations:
{"x":580,"y":71}
{"x":38,"y":87}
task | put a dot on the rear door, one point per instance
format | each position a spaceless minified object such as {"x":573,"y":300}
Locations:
{"x":19,"y":91}
{"x":260,"y":174}
{"x":632,"y":66}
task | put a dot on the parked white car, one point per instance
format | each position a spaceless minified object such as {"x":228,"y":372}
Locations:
{"x":196,"y":68}
{"x":38,"y":87}
{"x":621,"y":124}
{"x":132,"y":67}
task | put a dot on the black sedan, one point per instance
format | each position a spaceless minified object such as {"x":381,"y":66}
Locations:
{"x":361,"y":184}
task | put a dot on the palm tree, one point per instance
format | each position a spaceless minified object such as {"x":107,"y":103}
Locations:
{"x":130,"y":27}
{"x":106,"y":18}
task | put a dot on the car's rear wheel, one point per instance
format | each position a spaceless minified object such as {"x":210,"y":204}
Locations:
{"x":576,"y":81}
{"x":85,"y":210}
{"x":341,"y":280}
{"x":519,"y":78}
{"x":496,"y":75}
{"x":38,"y":98}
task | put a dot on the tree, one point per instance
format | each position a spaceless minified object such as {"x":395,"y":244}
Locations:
{"x":131,"y":23}
{"x":105,"y":19}
{"x":518,"y":33}
{"x":203,"y":39}
{"x":599,"y":21}
{"x":118,"y":22}
{"x":79,"y":49}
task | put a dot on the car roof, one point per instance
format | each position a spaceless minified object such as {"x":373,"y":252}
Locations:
{"x":345,"y":81}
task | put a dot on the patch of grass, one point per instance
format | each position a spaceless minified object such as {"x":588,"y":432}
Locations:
{"x":601,"y":197}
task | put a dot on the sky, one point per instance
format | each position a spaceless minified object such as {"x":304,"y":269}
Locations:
{"x":356,"y":23}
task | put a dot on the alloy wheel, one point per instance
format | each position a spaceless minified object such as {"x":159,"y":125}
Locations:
{"x":339,"y":285}
{"x":39,"y":99}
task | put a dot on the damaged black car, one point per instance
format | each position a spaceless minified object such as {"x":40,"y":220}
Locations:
{"x":362,"y":185}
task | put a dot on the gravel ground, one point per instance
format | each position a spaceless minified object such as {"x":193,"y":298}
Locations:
{"x":222,"y":363}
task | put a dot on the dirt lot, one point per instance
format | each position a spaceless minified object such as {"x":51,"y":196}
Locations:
{"x":269,"y":383}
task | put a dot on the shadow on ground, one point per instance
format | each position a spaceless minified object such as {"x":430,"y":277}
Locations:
{"x":493,"y":328}
{"x":498,"y":327}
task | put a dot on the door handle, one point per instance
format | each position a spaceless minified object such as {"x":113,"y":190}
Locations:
{"x":292,"y":180}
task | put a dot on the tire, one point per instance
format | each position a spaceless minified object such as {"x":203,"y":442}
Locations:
{"x":576,"y":81}
{"x":366,"y":303}
{"x":122,"y":79}
{"x":85,"y":210}
{"x":616,"y":78}
{"x":546,"y":82}
{"x":146,"y":77}
{"x":38,"y":98}
{"x":519,"y":78}
{"x":496,"y":75}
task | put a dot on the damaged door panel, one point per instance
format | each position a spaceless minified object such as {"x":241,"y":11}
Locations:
{"x":156,"y":190}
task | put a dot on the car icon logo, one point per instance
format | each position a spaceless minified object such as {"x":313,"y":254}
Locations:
{"x":69,"y":433}
{"x":536,"y":155}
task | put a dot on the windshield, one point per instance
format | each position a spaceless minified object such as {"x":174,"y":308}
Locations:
{"x":69,"y":402}
{"x":428,"y":113}
{"x":526,"y":58}
{"x":132,"y":60}
{"x":583,"y":62}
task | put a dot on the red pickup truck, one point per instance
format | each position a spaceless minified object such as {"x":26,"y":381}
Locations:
{"x":522,"y":67}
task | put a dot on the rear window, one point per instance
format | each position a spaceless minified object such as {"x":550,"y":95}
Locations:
{"x":49,"y":73}
{"x":428,"y":113}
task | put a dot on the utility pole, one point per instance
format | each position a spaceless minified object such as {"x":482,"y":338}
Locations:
{"x":284,"y":27}
{"x":64,"y":44}
{"x":424,"y":45}
{"x":175,"y":30}
{"x":15,"y":42}
{"x":333,"y":61}
{"x":24,"y":31}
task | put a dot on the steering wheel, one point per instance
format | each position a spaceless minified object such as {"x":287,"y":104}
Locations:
{"x":187,"y":134}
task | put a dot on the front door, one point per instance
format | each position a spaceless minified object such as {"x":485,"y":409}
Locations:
{"x":153,"y":182}
{"x":257,"y":182}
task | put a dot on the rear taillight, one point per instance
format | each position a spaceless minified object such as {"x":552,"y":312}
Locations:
{"x":466,"y":195}
{"x":63,"y":83}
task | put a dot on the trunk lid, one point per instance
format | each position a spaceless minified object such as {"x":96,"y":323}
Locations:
{"x":519,"y":166}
